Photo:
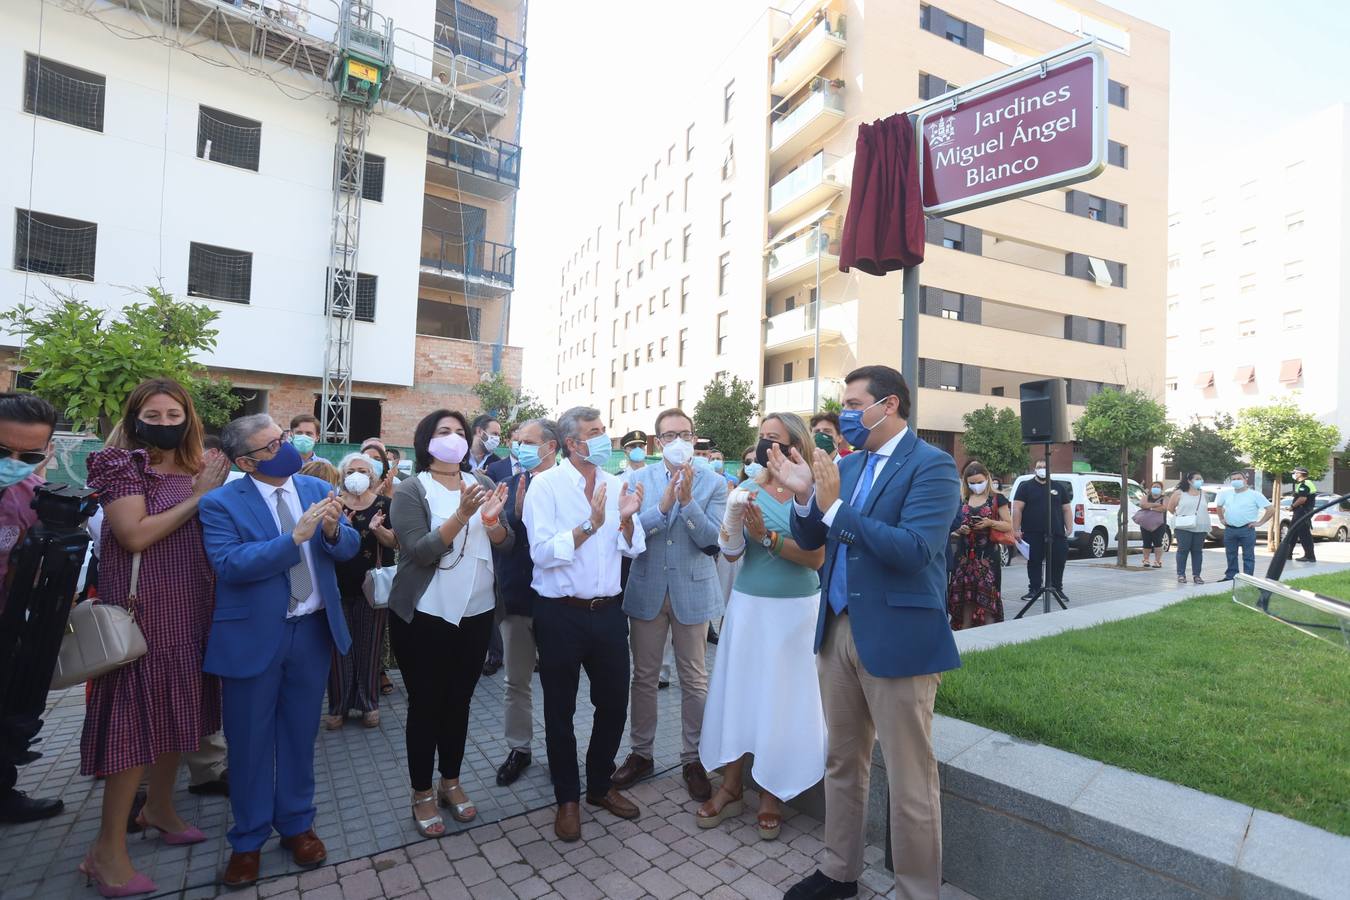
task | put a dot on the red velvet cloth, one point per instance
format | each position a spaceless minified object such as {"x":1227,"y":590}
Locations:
{"x":884,"y":226}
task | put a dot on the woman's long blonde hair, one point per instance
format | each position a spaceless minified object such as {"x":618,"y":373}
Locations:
{"x":975,"y":467}
{"x":799,"y":436}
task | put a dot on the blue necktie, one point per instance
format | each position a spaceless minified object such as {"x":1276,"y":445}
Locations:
{"x":839,"y":573}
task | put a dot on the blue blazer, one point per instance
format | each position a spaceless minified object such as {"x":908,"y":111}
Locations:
{"x":252,"y":561}
{"x":897,"y":559}
{"x":499,"y":471}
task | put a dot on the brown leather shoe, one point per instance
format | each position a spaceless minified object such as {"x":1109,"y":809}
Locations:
{"x":306,"y":849}
{"x":567,"y":826}
{"x":633,"y":768}
{"x":242,"y":869}
{"x":616,"y":803}
{"x":696,"y":779}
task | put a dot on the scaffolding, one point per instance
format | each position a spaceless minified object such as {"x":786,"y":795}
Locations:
{"x":370,"y":67}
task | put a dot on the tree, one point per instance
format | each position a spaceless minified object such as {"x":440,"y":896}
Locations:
{"x":1132,"y":423}
{"x":831,"y":405}
{"x":1277,"y":438}
{"x":994,"y":437}
{"x":726,"y":414}
{"x":510,"y":405}
{"x":1201,"y":448}
{"x":87,"y":360}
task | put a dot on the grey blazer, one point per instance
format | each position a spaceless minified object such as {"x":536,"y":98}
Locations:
{"x":419,"y":547}
{"x":674,"y":562}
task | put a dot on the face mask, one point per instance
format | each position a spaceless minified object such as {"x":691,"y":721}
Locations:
{"x":977,"y":487}
{"x":285,"y":464}
{"x":1197,"y":482}
{"x":824,"y":441}
{"x":165,"y":437}
{"x":762,"y":450}
{"x":528,"y":456}
{"x":491,"y":442}
{"x":753,"y":471}
{"x":12,"y":471}
{"x":677,"y":452}
{"x":448,"y":448}
{"x":357,"y":482}
{"x":1040,"y":473}
{"x":1238,"y":484}
{"x":304,"y":443}
{"x":378,"y":466}
{"x":718,"y":465}
{"x":637,"y":454}
{"x":702,"y":462}
{"x":599,"y":450}
{"x":852,"y":428}
{"x":1157,"y":491}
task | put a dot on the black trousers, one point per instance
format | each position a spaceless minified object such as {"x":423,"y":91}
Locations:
{"x":569,"y":640}
{"x":1302,"y":528}
{"x":441,"y":664}
{"x":1059,"y":555}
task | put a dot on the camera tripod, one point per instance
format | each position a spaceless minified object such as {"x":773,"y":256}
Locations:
{"x":1047,"y":592}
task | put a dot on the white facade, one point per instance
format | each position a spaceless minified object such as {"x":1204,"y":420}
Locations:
{"x":1258,"y":286}
{"x":141,"y":182}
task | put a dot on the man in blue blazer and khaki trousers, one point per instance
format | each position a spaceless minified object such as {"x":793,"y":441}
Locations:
{"x":883,"y":638}
{"x":272,"y":539}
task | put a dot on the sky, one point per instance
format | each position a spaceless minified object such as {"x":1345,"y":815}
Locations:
{"x":604,"y":90}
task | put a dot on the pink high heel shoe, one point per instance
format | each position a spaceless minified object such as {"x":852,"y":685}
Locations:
{"x":190,"y":835}
{"x":137,"y":884}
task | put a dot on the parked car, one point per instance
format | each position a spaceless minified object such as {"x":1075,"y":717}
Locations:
{"x":1331,"y":524}
{"x":1096,"y":508}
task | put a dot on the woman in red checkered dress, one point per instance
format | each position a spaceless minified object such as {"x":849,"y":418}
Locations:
{"x":139,"y":718}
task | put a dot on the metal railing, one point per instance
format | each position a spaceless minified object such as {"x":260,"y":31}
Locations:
{"x":806,"y":176}
{"x":467,"y":257}
{"x":495,"y":51}
{"x":823,"y":96}
{"x":801,"y":250}
{"x":490,"y":157}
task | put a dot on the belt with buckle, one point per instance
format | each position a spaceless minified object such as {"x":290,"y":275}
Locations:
{"x":590,"y":605}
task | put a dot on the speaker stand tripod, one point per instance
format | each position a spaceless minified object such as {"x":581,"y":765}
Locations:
{"x":1047,"y":592}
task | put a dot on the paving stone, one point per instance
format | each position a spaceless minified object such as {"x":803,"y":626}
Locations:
{"x":646,"y":846}
{"x":448,"y":889}
{"x":556,"y":871}
{"x":723,"y":893}
{"x":495,"y":889}
{"x":772,"y":871}
{"x":332,"y":891}
{"x":432,"y":867}
{"x":363,"y":885}
{"x":474,"y":870}
{"x":660,"y":884}
{"x":753,"y":887}
{"x":353,"y":865}
{"x":500,"y":852}
{"x":694,"y":877}
{"x":318,"y":878}
{"x":618,"y":886}
{"x":577,"y":887}
{"x":275,"y":886}
{"x":458,"y":846}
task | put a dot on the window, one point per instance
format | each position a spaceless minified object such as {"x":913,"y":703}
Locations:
{"x":665,"y":297}
{"x":1207,"y":293}
{"x":1207,"y":250}
{"x":372,"y":177}
{"x":726,"y":214}
{"x":679,"y":394}
{"x":651,"y":305}
{"x":1206,"y":337}
{"x":665,"y":249}
{"x":1171,"y":385}
{"x":670,"y":199}
{"x":787,"y":371}
{"x":613,"y":373}
{"x":1093,"y":207}
{"x":1293,"y":221}
{"x":729,"y":161}
{"x":665,"y":343}
{"x":54,"y":245}
{"x":686,"y":238}
{"x":614,"y":333}
{"x":945,"y":376}
{"x":219,"y":273}
{"x":361,"y":295}
{"x":623,"y":403}
{"x":945,"y":25}
{"x":1117,"y":94}
{"x":651,"y":260}
{"x":687,"y":180}
{"x":226,"y":138}
{"x":641,"y":269}
{"x":723,"y":274}
{"x":661,"y":395}
{"x":721,"y":333}
{"x":689,"y":142}
{"x":57,"y":91}
{"x":931,"y":86}
{"x":1094,"y":331}
{"x":1173,"y":303}
{"x":684,"y":344}
{"x":642,"y":227}
{"x":625,"y":362}
{"x":1247,"y":328}
{"x":1173,"y":220}
{"x":1246,"y":284}
{"x":648,"y":397}
{"x":670,"y":155}
{"x":651,"y":352}
{"x":1117,"y":154}
{"x":1105,"y":272}
{"x":684,"y":295}
{"x":1247,"y":236}
{"x":954,"y":235}
{"x":728,"y":100}
{"x":1293,"y":270}
{"x":1174,"y":261}
{"x":1293,"y":319}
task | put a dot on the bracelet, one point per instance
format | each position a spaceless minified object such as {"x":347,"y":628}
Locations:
{"x":490,"y":523}
{"x":779,"y":541}
{"x":463,"y":522}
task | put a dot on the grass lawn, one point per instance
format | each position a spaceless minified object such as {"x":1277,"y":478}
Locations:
{"x":1205,"y":693}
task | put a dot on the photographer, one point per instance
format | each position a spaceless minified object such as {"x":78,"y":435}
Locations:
{"x":26,"y":426}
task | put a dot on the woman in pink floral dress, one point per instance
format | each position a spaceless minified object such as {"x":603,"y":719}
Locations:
{"x":139,"y":718}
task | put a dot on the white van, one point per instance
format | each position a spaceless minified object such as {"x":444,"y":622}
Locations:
{"x":1096,"y":508}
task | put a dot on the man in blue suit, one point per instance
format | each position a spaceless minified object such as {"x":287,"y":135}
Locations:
{"x":883,"y":638}
{"x":272,"y":539}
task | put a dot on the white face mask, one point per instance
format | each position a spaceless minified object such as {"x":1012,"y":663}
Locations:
{"x":678,"y":452}
{"x":491,"y":442}
{"x":1040,"y":472}
{"x":977,"y":487}
{"x":357,"y":482}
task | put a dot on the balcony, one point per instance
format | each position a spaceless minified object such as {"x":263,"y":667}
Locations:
{"x":813,"y":183}
{"x":820,"y":113}
{"x":797,"y":396}
{"x":491,"y":52}
{"x":797,"y":259}
{"x":482,"y":263}
{"x":484,"y":167}
{"x":796,"y":328}
{"x":816,"y":48}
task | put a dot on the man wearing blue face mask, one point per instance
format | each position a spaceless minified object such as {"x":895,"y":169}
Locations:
{"x":1239,"y":508}
{"x":304,"y":435}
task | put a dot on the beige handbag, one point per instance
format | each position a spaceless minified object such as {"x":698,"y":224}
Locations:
{"x":100,"y":637}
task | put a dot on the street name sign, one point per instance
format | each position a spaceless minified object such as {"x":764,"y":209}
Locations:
{"x":1043,"y":127}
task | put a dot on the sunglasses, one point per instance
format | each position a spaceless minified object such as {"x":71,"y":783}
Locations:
{"x":28,"y":457}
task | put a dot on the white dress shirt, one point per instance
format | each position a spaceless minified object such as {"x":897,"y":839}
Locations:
{"x":314,"y":601}
{"x":883,"y":457}
{"x":462,"y":585}
{"x":555,"y":504}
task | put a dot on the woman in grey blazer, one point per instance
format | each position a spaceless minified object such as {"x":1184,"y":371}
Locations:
{"x":443,"y":601}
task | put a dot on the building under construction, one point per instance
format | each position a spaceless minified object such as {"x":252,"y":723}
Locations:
{"x":336,"y":177}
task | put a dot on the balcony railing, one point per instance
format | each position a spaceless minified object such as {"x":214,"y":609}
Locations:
{"x":802,"y":179}
{"x":797,"y":396}
{"x":785,"y":258}
{"x":492,"y":50}
{"x":457,"y":256}
{"x":817,"y":47}
{"x":489,"y":157}
{"x":824,"y":96}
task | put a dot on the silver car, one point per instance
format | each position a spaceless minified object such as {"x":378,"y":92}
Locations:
{"x":1331,"y":524}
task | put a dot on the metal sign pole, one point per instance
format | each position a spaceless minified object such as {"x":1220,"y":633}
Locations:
{"x":909,"y":341}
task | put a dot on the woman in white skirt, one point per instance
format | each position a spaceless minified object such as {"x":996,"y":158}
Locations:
{"x":764,"y":698}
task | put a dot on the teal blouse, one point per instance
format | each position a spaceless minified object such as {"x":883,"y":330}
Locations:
{"x":764,"y":575}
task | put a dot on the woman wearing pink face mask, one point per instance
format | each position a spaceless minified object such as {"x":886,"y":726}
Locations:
{"x":442,"y":600}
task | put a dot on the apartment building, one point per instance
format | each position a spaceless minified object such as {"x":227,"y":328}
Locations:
{"x":204,"y":159}
{"x":1258,"y":294}
{"x":1065,"y":284}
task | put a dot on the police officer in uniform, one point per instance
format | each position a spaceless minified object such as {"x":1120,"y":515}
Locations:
{"x":1305,"y":498}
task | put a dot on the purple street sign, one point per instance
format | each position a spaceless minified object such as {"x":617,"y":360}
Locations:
{"x":1038,"y":132}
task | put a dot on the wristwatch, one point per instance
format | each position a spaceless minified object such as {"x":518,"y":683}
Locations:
{"x":767,"y":540}
{"x":587,"y":528}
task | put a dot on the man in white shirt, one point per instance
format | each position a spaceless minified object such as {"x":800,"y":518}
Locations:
{"x":579,"y":519}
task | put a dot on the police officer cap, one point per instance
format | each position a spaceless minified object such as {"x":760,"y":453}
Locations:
{"x":633,"y":438}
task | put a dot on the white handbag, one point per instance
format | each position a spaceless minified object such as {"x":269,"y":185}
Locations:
{"x":1186,"y":522}
{"x":377,"y":585}
{"x":100,"y":637}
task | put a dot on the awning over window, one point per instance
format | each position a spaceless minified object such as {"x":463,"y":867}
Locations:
{"x":1245,"y":374}
{"x":1100,"y":273}
{"x":1204,"y":380}
{"x":1291,"y":370}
